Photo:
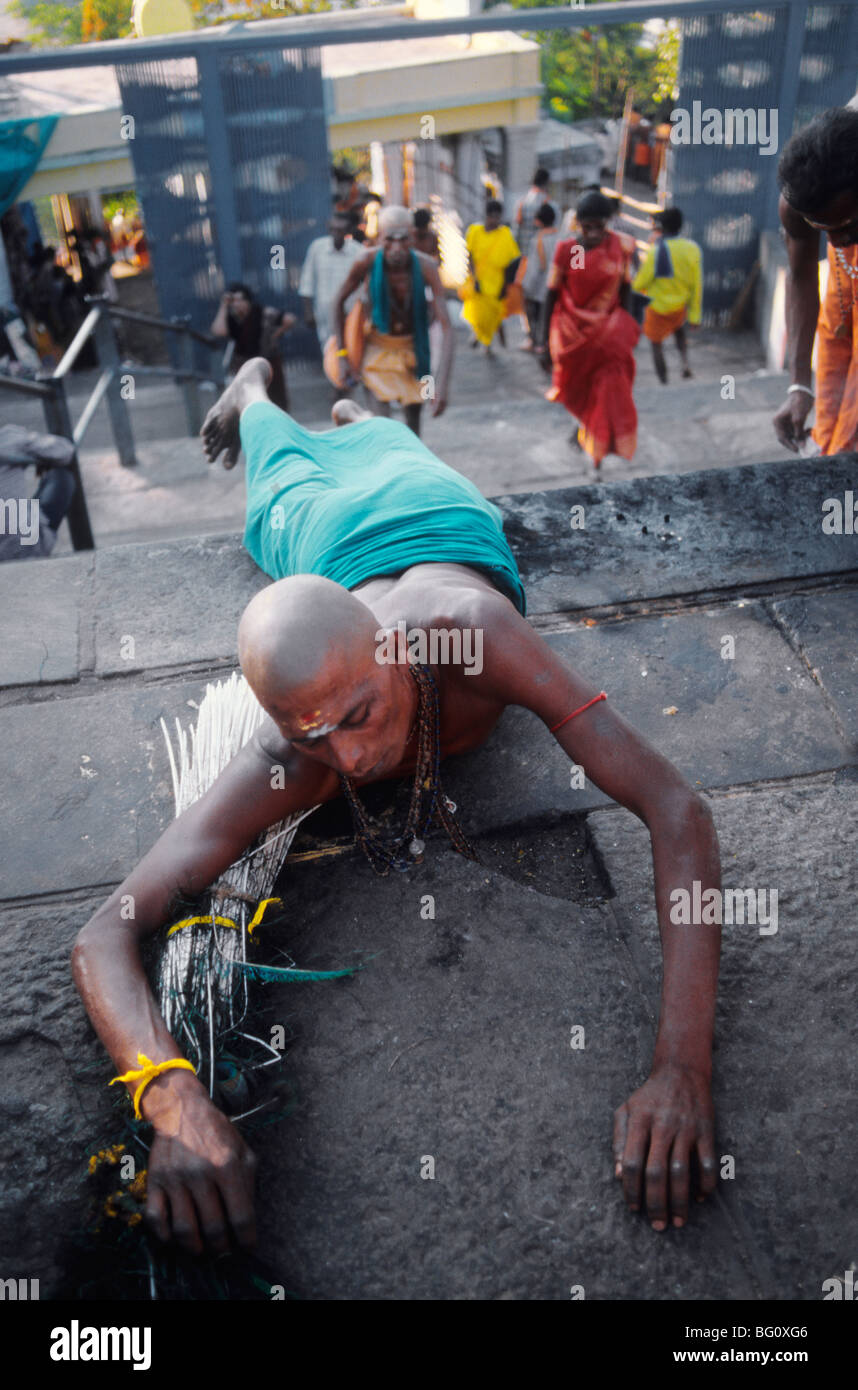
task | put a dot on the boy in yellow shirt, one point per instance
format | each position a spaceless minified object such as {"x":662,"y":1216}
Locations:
{"x":672,"y":278}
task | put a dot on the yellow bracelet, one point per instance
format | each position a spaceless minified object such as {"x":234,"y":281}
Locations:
{"x":147,"y":1072}
{"x":226,"y":921}
{"x":343,"y":352}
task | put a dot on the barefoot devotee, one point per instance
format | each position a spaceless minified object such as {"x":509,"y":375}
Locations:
{"x":589,"y":335}
{"x":380,"y":538}
{"x":391,"y":351}
{"x":493,"y":255}
{"x":672,"y":279}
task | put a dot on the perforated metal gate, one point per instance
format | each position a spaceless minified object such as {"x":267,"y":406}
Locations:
{"x":743,"y":61}
{"x":231,"y":164}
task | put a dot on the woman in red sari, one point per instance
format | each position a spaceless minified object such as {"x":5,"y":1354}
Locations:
{"x":590,"y":334}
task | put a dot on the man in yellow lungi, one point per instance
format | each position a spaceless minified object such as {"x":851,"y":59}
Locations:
{"x":672,"y":277}
{"x":493,"y":250}
{"x":393,"y":361}
{"x":818,"y":175}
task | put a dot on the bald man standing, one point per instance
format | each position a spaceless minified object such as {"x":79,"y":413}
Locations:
{"x":396,"y":362}
{"x":375,"y":540}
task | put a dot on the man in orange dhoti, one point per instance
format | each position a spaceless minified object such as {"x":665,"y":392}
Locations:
{"x":672,"y":279}
{"x":395,"y":354}
{"x":818,"y":175}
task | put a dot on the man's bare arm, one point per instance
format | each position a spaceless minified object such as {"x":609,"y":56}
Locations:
{"x":669,"y":1120}
{"x":802,"y":313}
{"x":220,"y":324}
{"x":200,"y":1184}
{"x":355,"y":278}
{"x":433,"y":280}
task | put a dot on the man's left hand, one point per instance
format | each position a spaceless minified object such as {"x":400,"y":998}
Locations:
{"x":657,"y":1134}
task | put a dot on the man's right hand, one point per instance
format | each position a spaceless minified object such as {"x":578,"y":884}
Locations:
{"x":200,"y":1178}
{"x":789,"y":422}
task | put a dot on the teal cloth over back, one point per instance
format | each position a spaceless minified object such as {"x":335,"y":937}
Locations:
{"x":379,"y":292}
{"x":22,"y":144}
{"x":362,"y":500}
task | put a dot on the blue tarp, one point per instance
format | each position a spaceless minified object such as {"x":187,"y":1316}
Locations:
{"x":22,"y":144}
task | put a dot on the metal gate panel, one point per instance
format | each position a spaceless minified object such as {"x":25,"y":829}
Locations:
{"x":277,"y":148}
{"x":231,"y":164}
{"x":789,"y":62}
{"x":171,"y":168}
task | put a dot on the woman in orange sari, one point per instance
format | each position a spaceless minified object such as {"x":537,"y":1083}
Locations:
{"x":590,"y":334}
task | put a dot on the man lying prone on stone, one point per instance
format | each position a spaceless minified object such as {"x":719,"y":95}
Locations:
{"x":365,"y":531}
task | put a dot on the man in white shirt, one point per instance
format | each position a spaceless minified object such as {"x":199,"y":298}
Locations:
{"x":326,"y":265}
{"x":528,"y":206}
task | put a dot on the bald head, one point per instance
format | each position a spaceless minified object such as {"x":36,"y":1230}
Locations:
{"x":301,"y":631}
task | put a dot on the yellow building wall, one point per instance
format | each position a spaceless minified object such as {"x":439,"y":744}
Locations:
{"x":455,"y":119}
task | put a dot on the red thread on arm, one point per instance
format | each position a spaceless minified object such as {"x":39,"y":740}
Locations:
{"x":595,"y":700}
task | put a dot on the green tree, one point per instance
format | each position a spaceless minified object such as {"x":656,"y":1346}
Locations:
{"x":667,"y":63}
{"x":587,"y":71}
{"x":57,"y":23}
{"x":211,"y":11}
{"x":91,"y":21}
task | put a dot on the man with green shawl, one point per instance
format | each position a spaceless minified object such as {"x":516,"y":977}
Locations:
{"x":395,"y":363}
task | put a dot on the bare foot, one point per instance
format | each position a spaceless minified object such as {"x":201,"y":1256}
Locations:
{"x":348,"y":412}
{"x":220,"y":427}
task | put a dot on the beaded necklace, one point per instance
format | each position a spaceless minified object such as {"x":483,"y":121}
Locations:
{"x":402,"y":851}
{"x":841,"y":263}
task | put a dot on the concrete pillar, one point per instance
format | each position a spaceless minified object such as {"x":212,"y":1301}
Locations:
{"x":393,"y":167}
{"x":519,"y":161}
{"x":96,"y":216}
{"x":447,"y":172}
{"x":470,"y":202}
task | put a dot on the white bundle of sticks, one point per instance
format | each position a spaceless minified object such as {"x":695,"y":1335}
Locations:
{"x":202,"y":987}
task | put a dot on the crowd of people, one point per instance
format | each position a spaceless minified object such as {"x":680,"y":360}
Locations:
{"x":380,"y":310}
{"x":371,"y":290}
{"x":585,"y":293}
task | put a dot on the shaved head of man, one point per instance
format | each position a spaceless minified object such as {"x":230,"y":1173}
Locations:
{"x":308,"y":650}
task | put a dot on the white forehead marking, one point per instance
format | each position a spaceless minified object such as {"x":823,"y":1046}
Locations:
{"x":319,"y":733}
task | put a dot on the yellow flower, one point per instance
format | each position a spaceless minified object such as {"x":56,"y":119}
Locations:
{"x":110,"y":1156}
{"x":137,"y":1188}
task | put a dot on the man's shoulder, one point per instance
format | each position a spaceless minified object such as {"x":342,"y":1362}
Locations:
{"x":426,"y":262}
{"x":477,"y":606}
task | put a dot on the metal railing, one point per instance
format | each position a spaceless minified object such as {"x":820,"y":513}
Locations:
{"x":110,"y":388}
